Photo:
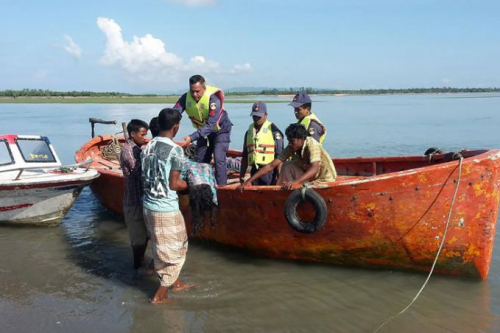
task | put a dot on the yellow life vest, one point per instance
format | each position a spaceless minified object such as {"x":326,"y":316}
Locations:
{"x":306,"y":121}
{"x":198,"y":111}
{"x":260,"y":145}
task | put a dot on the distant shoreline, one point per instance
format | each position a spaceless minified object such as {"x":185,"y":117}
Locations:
{"x":171,"y":99}
{"x":112,"y":100}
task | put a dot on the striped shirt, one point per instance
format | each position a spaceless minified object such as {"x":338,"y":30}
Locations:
{"x":130,"y":162}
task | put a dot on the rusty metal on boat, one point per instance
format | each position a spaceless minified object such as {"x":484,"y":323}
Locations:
{"x":382,"y":212}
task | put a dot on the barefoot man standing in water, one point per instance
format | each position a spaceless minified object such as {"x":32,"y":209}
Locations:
{"x":162,"y":162}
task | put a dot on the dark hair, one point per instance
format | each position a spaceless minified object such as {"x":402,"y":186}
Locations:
{"x":296,"y":131}
{"x":135,"y":125}
{"x":307,"y":106}
{"x":200,"y":203}
{"x":154,"y":127}
{"x":195,"y":79}
{"x":168,"y":118}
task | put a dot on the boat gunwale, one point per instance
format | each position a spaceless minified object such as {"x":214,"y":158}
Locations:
{"x":472,"y":156}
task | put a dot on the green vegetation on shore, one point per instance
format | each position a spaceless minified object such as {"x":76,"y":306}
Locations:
{"x":48,"y":96}
{"x":443,"y":90}
{"x":110,"y":100}
{"x":39,"y":96}
{"x":90,"y":100}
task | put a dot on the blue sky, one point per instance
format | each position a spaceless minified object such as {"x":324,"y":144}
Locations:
{"x":153,"y":46}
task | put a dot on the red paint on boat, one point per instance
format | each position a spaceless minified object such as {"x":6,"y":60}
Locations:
{"x":14,"y":207}
{"x":11,"y":138}
{"x":383,"y":212}
{"x":33,"y":186}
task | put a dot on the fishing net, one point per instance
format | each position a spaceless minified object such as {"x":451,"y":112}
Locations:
{"x":112,"y":150}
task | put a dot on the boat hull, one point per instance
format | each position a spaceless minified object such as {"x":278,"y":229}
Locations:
{"x":391,"y":219}
{"x":35,"y":188}
{"x":368,"y":225}
{"x":42,"y":204}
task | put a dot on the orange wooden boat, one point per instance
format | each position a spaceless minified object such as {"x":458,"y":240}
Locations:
{"x":388,"y":212}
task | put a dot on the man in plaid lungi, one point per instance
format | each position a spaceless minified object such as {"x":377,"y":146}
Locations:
{"x":130,"y":162}
{"x":162,"y":162}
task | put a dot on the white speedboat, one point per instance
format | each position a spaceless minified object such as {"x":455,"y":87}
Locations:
{"x":35,"y":188}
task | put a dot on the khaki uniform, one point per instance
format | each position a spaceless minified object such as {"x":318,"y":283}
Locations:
{"x":312,"y":151}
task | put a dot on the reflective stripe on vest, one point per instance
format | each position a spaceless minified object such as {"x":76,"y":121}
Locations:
{"x":306,"y":121}
{"x":198,"y":112}
{"x":260,"y":145}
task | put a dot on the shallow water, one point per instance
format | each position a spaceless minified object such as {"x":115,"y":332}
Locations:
{"x":77,"y":277}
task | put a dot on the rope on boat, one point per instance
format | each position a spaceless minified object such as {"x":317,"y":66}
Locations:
{"x":112,"y":150}
{"x":303,"y":190}
{"x":437,"y":254}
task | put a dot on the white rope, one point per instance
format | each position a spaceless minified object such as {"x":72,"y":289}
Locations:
{"x":437,"y":254}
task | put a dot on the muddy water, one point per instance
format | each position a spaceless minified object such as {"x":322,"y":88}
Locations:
{"x":77,"y":277}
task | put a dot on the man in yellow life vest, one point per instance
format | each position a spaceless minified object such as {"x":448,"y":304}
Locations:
{"x":262,"y":143}
{"x":204,"y":106}
{"x":303,"y":160}
{"x":302,"y":105}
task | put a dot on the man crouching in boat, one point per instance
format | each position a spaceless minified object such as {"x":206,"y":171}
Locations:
{"x":162,"y":162}
{"x":309,"y":161}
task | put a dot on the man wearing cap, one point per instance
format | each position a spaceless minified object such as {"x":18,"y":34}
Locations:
{"x":204,"y":106}
{"x":262,"y":143}
{"x":302,"y":105}
{"x":303,"y":160}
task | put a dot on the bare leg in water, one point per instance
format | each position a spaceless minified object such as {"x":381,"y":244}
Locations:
{"x":180,"y":286}
{"x":161,"y":296}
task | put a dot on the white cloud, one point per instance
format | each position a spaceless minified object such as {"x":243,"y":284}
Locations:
{"x":145,"y":58}
{"x":199,"y":63}
{"x":194,"y":3}
{"x":446,"y":81}
{"x":72,"y":48}
{"x":242,"y":68}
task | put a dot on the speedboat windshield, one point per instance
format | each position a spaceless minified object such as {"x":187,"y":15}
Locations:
{"x":36,"y":150}
{"x":5,"y":153}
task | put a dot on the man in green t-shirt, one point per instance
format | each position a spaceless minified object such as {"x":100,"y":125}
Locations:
{"x":162,"y":162}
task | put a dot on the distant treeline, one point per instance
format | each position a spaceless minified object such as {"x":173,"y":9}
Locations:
{"x":50,"y":93}
{"x":289,"y":91}
{"x":273,"y":91}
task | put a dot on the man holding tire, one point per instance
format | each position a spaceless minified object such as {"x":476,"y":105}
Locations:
{"x":309,"y":161}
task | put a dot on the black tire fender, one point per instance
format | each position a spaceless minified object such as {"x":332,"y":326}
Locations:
{"x":433,"y":150}
{"x":320,"y":210}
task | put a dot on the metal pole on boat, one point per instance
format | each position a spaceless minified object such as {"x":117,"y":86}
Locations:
{"x":125,"y":132}
{"x":94,"y":121}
